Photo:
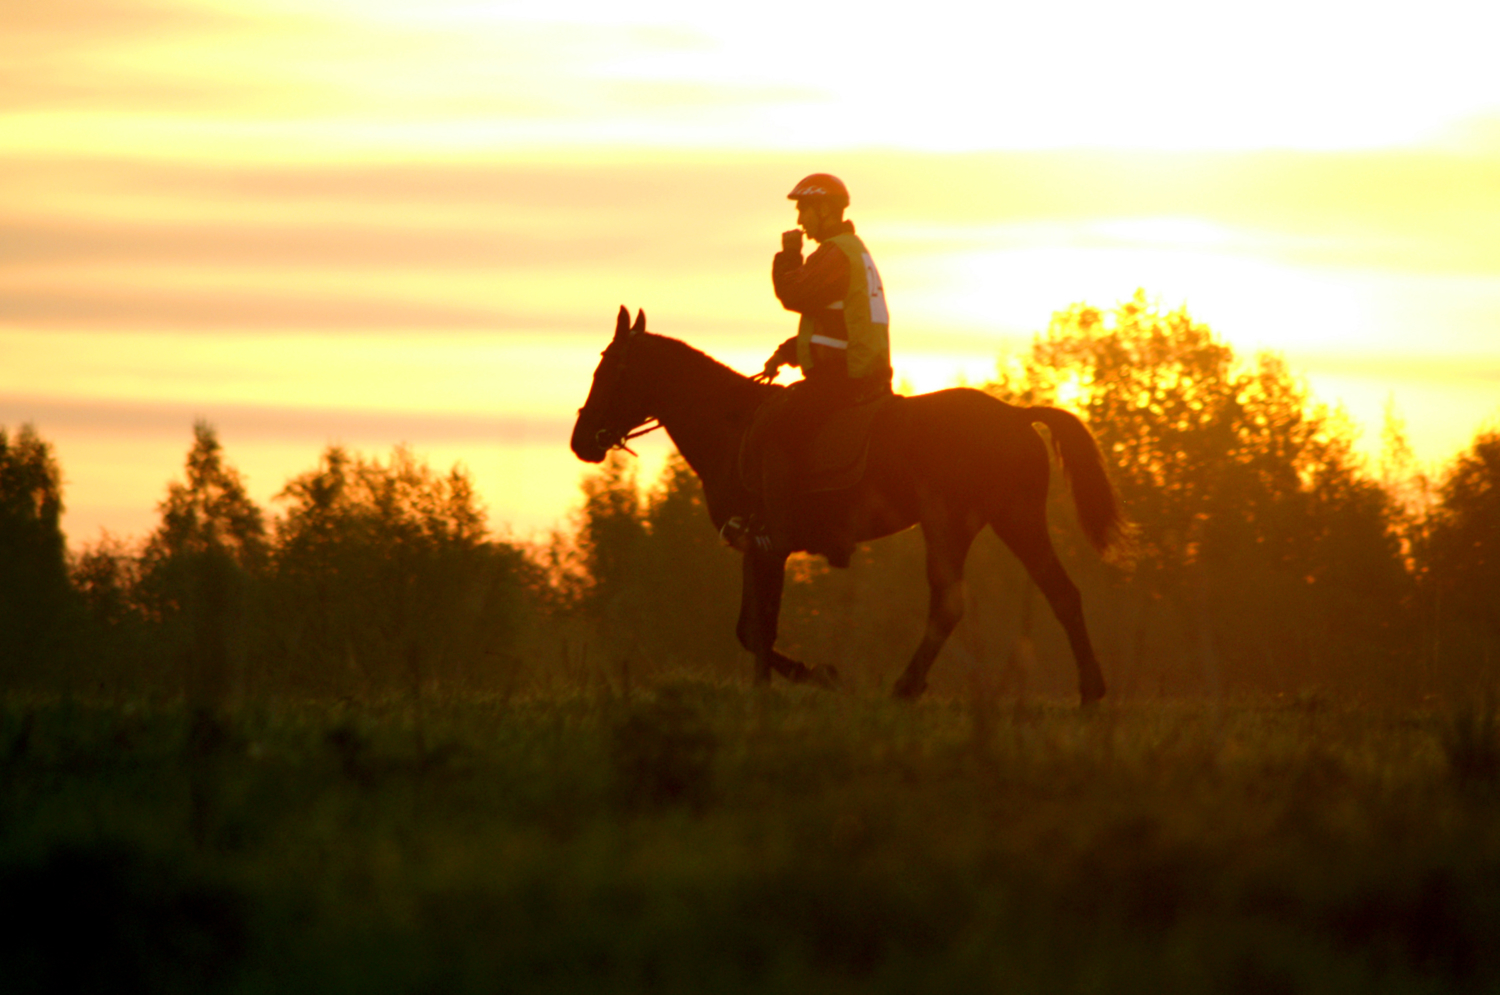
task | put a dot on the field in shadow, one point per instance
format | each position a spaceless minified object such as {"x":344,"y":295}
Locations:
{"x":701,"y":836}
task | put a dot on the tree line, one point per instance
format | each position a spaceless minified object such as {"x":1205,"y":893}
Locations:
{"x":1265,"y":556}
{"x":377,"y":578}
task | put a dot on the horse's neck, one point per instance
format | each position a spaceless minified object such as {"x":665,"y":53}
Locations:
{"x":703,"y":404}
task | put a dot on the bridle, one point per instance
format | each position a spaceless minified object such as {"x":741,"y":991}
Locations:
{"x":651,"y":425}
{"x":608,"y":438}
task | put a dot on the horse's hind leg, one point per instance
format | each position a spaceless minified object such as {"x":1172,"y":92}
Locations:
{"x":948,"y":536}
{"x":1023,"y":527}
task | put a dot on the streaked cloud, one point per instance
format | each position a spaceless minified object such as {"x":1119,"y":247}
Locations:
{"x":276,"y":422}
{"x":388,"y":218}
{"x":485,"y":205}
{"x":97,"y":56}
{"x":77,"y":23}
{"x":43,"y":241}
{"x":199,"y":310}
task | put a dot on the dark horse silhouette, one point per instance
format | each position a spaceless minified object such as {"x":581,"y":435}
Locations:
{"x":951,"y":461}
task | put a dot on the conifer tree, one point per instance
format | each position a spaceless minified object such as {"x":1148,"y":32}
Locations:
{"x":34,"y":593}
{"x":198,"y":566}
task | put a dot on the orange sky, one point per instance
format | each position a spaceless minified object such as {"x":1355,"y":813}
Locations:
{"x":381,"y":222}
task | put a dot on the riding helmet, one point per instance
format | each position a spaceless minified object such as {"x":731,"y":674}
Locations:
{"x":824,"y":185}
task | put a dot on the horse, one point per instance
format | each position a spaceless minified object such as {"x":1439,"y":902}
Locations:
{"x":950,"y":461}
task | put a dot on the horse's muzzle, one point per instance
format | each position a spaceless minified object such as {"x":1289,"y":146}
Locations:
{"x":591,"y":449}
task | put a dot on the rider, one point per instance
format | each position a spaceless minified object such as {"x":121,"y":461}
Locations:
{"x":842,"y":344}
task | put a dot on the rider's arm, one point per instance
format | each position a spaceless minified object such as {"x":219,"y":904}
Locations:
{"x":785,"y":355}
{"x":820,"y":280}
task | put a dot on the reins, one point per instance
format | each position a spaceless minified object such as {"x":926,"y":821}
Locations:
{"x":650,"y":426}
{"x":653,"y":424}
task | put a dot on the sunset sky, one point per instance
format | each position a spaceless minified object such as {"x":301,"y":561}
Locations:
{"x":373,"y":222}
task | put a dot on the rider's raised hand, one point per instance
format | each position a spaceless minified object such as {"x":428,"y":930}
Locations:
{"x":791,"y":241}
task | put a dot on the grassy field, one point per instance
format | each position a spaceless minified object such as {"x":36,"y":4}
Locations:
{"x":698,"y":837}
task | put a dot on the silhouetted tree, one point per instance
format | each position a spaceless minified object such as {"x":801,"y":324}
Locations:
{"x":382,"y":573}
{"x":34,"y":592}
{"x":693,"y":578}
{"x":1462,"y":553}
{"x":197,"y":568}
{"x":106,"y":575}
{"x":611,"y":540}
{"x":120,"y":648}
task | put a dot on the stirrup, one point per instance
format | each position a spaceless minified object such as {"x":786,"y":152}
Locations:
{"x":743,"y":535}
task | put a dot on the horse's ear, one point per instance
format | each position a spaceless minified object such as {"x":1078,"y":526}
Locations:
{"x":622,"y":323}
{"x":640,"y":322}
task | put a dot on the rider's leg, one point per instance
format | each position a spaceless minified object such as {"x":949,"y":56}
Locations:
{"x":745,"y":528}
{"x":779,"y":437}
{"x":809,"y":403}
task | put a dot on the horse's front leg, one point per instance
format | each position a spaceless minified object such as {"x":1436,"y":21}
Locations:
{"x":764,"y":576}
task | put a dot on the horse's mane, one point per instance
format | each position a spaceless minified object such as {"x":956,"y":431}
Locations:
{"x":700,"y":372}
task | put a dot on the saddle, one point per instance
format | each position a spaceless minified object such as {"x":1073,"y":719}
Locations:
{"x":836,"y":456}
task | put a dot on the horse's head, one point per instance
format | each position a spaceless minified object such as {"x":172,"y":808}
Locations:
{"x":616,"y":404}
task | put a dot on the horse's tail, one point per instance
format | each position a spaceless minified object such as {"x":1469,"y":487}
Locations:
{"x":1094,"y":496}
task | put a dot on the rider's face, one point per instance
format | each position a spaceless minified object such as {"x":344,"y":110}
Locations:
{"x":813,"y":217}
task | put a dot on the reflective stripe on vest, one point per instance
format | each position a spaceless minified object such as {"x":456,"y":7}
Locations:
{"x":866,"y":320}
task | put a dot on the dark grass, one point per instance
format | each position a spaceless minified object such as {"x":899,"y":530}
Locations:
{"x":703,"y":837}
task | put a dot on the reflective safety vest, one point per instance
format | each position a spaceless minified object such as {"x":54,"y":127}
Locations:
{"x":867,"y":323}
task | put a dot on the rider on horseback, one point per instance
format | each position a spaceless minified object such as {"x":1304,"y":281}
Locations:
{"x":842,"y":346}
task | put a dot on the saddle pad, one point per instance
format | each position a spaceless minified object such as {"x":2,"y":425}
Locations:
{"x":836,"y":456}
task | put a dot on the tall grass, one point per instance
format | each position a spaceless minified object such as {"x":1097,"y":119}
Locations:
{"x":697,"y":836}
